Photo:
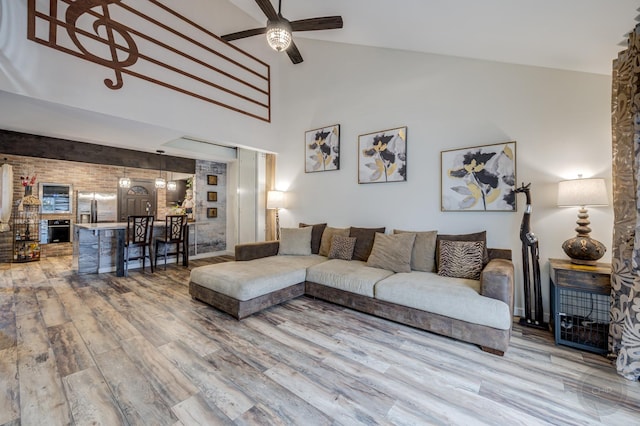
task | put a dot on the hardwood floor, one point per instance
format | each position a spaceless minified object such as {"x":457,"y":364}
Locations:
{"x":98,"y":349}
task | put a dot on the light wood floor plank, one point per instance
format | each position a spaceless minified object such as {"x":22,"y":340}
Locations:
{"x":135,"y":395}
{"x":69,"y":349}
{"x":215,"y":388}
{"x":91,"y":401}
{"x":283,"y":406}
{"x":195,"y":411}
{"x":9,"y":385}
{"x":41,"y":392}
{"x":168,"y":381}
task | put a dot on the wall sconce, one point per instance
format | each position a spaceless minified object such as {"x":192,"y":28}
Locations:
{"x":582,"y":249}
{"x":160,"y":182}
{"x":276,"y":201}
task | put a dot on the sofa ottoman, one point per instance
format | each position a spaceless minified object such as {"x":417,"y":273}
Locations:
{"x":243,"y":288}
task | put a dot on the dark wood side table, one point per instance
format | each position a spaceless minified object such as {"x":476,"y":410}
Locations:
{"x":580,"y":304}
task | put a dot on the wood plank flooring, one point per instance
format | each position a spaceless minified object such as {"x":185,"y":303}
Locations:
{"x":137,"y":350}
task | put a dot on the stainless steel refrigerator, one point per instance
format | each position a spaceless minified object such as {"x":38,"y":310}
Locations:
{"x":97,"y":206}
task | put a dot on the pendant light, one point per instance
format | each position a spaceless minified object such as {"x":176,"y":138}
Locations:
{"x":124,"y":181}
{"x":160,"y":182}
{"x":172,"y":185}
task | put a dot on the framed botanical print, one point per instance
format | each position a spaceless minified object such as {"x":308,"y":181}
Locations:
{"x":322,"y":149}
{"x":212,"y":212}
{"x":481,"y":178}
{"x":382,"y":156}
{"x":212,"y":179}
{"x":212,"y":196}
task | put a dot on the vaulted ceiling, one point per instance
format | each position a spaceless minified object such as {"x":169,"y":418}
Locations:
{"x":577,"y":35}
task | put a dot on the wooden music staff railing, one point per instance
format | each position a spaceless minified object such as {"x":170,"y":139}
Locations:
{"x":118,"y":36}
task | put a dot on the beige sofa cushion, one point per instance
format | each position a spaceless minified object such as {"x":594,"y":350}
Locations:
{"x":392,"y":252}
{"x":247,"y":280}
{"x":348,"y":275}
{"x":451,"y":297}
{"x":295,"y":241}
{"x":423,"y":257}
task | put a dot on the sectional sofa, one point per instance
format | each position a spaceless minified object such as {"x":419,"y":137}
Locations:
{"x":447,"y":284}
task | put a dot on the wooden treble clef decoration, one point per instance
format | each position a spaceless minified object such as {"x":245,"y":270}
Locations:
{"x":80,"y":7}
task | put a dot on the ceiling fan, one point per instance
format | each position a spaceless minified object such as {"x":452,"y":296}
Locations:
{"x":279,"y":29}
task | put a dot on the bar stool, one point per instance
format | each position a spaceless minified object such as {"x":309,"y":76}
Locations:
{"x":174,"y":231}
{"x":139,"y":230}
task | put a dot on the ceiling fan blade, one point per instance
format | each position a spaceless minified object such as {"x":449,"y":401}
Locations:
{"x":294,"y":54}
{"x":313,"y":24}
{"x":243,"y":34}
{"x":267,"y":9}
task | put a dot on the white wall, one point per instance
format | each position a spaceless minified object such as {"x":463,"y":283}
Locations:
{"x":560,"y":121}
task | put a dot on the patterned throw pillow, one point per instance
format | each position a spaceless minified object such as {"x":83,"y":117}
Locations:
{"x":342,"y":247}
{"x":327,"y":236}
{"x":476,"y":236}
{"x":461,"y":259}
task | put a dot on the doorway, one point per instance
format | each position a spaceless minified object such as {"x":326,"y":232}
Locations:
{"x":138,"y":200}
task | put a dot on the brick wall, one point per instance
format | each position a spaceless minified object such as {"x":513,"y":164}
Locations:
{"x":95,"y":177}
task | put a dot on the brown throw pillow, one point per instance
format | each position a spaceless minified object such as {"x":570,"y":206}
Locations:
{"x":316,"y":235}
{"x":477,"y":236}
{"x":327,"y":235}
{"x":392,"y":252}
{"x":364,"y":241}
{"x":423,"y":256}
{"x":342,"y":247}
{"x":461,"y":259}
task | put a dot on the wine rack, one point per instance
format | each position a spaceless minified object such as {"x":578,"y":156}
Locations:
{"x":26,"y":233}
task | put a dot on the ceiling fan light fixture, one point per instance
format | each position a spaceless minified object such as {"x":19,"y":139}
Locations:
{"x":279,"y":35}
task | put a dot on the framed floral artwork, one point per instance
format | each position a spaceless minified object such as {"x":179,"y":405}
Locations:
{"x":383,"y":156}
{"x":481,"y":178}
{"x":322,"y":149}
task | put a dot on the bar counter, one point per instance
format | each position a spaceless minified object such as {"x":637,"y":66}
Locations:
{"x":99,"y":247}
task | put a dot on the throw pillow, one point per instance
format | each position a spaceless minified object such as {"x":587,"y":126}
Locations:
{"x":316,"y":235}
{"x":295,"y":241}
{"x":392,"y":252}
{"x":364,"y":241}
{"x":477,"y":236}
{"x":327,"y":235}
{"x":342,"y":247}
{"x":461,"y":259}
{"x":423,"y":256}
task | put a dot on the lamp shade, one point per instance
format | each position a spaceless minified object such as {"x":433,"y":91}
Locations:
{"x":275,"y":200}
{"x":582,"y":192}
{"x":279,"y":35}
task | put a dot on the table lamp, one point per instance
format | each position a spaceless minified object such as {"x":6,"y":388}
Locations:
{"x":582,"y":249}
{"x":275,"y":200}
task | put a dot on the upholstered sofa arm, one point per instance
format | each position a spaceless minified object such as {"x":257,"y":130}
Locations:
{"x":497,"y":281}
{"x":250,"y":251}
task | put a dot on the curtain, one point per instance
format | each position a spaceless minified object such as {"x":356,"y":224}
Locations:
{"x":624,"y":329}
{"x":6,"y":196}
